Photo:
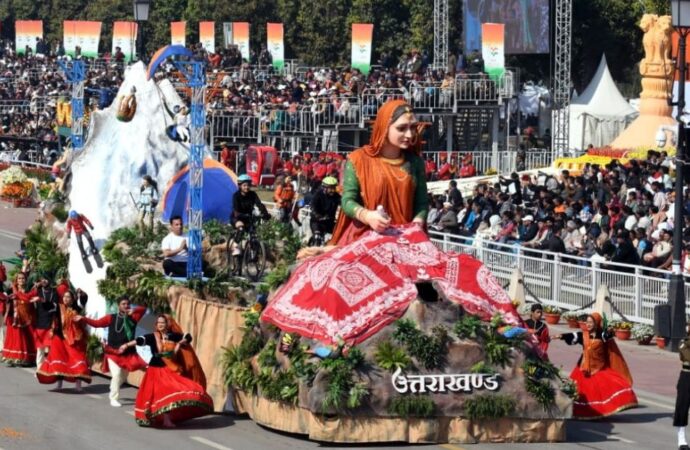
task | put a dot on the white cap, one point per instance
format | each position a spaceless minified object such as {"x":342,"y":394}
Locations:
{"x":528,"y":217}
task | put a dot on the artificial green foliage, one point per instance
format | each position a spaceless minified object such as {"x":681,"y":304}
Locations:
{"x":483,"y":367}
{"x":489,"y":406}
{"x":390,"y":357}
{"x":267,"y":356}
{"x":429,"y":350}
{"x":343,"y":390}
{"x":412,"y":406}
{"x":43,"y":251}
{"x":94,"y":350}
{"x":217,"y":232}
{"x":237,"y":370}
{"x":468,"y":327}
{"x":538,"y":376}
{"x":281,"y":240}
{"x":277,"y":276}
{"x":497,"y":349}
{"x":59,"y":212}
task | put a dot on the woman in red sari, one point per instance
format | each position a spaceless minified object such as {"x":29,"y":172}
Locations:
{"x":169,"y":392}
{"x":604,"y":383}
{"x":67,"y":357}
{"x":19,"y":348}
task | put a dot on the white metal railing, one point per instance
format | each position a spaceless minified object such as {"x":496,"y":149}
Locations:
{"x":234,"y":125}
{"x":293,"y":120}
{"x":475,"y":88}
{"x":336,"y":111}
{"x":569,"y":282}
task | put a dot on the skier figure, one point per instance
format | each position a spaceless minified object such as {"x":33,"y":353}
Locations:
{"x":182,"y":122}
{"x":78,"y":223}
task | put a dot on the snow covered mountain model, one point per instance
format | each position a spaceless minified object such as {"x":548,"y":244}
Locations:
{"x":107,"y":173}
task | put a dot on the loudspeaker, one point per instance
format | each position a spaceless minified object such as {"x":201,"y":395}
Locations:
{"x":662,"y":320}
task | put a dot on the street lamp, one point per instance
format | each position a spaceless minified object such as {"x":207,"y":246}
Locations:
{"x":141,"y":15}
{"x":680,"y":12}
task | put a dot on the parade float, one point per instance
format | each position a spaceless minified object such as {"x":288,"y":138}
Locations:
{"x":426,"y":347}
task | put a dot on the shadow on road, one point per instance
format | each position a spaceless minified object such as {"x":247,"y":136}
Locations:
{"x":208,"y":422}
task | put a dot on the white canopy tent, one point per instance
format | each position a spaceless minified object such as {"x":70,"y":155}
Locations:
{"x":600,"y":113}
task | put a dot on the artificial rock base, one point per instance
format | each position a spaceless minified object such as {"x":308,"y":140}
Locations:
{"x":351,"y":429}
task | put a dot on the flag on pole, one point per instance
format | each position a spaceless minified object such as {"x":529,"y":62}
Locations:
{"x":177,"y":33}
{"x":125,"y":37}
{"x":240,"y":37}
{"x":83,"y":34}
{"x":26,"y":33}
{"x":207,"y":36}
{"x":493,"y":49}
{"x":274,"y":34}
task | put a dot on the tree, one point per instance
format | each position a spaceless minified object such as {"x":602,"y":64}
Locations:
{"x":324,"y":31}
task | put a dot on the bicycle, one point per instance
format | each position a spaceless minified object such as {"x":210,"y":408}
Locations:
{"x":246,"y":253}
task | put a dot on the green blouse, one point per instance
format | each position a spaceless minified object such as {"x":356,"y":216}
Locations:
{"x":414,"y":165}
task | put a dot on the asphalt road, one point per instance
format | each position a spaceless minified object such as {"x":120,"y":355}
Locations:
{"x":32,"y":417}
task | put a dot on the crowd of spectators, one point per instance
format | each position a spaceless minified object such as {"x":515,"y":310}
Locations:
{"x":617,"y":213}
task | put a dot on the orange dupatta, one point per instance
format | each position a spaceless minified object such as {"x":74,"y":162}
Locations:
{"x":380,"y":182}
{"x":186,"y":362}
{"x":597,"y":352}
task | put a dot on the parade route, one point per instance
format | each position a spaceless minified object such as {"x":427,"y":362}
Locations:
{"x":35,"y":418}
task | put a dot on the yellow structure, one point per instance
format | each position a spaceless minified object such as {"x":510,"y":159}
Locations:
{"x":657,"y":70}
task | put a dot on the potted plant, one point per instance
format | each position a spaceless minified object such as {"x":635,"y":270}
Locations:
{"x":642,"y":333}
{"x":660,"y":342}
{"x":582,"y":321}
{"x":552,"y":315}
{"x":571,"y":318}
{"x":623,"y":330}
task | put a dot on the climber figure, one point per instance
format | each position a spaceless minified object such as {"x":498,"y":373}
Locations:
{"x":179,"y":130}
{"x":78,"y":223}
{"x":127,"y":107}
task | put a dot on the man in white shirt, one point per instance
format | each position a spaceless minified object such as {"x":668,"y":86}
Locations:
{"x":174,"y":248}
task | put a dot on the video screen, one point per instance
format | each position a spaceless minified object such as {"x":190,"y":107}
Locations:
{"x":526,"y":24}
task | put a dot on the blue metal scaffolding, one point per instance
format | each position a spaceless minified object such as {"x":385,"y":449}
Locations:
{"x":194,"y":72}
{"x":75,"y":74}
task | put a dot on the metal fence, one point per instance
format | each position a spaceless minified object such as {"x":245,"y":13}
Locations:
{"x":569,"y":282}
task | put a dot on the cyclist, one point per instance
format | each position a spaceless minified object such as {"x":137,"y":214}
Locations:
{"x":324,"y":206}
{"x":243,"y":203}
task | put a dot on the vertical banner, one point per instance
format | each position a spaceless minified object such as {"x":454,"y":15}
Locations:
{"x":493,"y":50}
{"x":274,"y":35}
{"x":83,"y":34}
{"x":240,"y":37}
{"x":177,"y":33}
{"x":207,"y":36}
{"x":227,"y":34}
{"x":362,"y":34}
{"x":125,"y":37}
{"x":26,"y":33}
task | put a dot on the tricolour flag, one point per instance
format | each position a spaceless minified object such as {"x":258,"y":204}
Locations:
{"x":274,"y":34}
{"x":177,"y":33}
{"x":26,"y":33}
{"x":125,"y":37}
{"x":362,"y":34}
{"x":207,"y":36}
{"x":83,"y":34}
{"x":240,"y":37}
{"x":493,"y":49}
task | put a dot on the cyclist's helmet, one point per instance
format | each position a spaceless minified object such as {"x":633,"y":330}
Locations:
{"x":73,"y":214}
{"x":244,"y":178}
{"x":330,"y":182}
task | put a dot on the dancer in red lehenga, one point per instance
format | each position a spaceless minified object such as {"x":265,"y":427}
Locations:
{"x":67,"y":357}
{"x":172,"y":390}
{"x":604,"y":383}
{"x":19,"y":348}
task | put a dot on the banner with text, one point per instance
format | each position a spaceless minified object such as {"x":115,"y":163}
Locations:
{"x":125,"y":37}
{"x":274,"y":34}
{"x":207,"y":36}
{"x":362,"y":34}
{"x":26,"y":33}
{"x":240,"y":37}
{"x":83,"y":34}
{"x":178,"y":31}
{"x":227,"y":33}
{"x":493,"y":50}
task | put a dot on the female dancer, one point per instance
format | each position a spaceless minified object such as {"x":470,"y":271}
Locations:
{"x":67,"y":357}
{"x":603,"y":380}
{"x":389,"y":173}
{"x":169,"y":392}
{"x":19,"y":348}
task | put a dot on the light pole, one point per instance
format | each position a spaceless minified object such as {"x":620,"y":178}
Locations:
{"x":680,"y":12}
{"x":141,"y":15}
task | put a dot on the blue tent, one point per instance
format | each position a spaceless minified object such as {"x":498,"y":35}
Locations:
{"x":220,"y":183}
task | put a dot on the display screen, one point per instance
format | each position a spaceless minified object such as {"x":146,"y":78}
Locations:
{"x":526,"y":24}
